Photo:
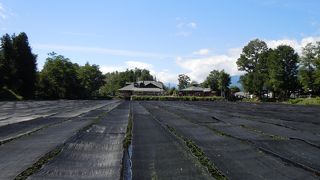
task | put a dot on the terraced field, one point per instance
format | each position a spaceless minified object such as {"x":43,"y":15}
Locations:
{"x":158,"y":140}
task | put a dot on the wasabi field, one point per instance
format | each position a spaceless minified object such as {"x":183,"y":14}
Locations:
{"x":116,"y":139}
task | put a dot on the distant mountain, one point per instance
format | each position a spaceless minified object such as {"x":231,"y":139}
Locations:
{"x":171,"y":85}
{"x":235,"y":81}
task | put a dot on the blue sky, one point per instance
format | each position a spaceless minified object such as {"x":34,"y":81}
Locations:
{"x":166,"y":36}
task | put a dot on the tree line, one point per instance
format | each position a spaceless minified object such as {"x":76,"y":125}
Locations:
{"x":280,"y":70}
{"x":59,"y":78}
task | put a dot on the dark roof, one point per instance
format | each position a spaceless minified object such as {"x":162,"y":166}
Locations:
{"x":140,"y":86}
{"x":157,"y":84}
{"x":196,"y":89}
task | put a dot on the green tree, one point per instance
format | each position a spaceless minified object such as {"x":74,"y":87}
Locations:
{"x":317,"y":69}
{"x":7,"y":63}
{"x":115,"y":80}
{"x":307,"y":68}
{"x":172,"y":91}
{"x":58,"y":78}
{"x":234,"y":89}
{"x":91,"y":79}
{"x":26,"y":66}
{"x":184,"y":81}
{"x":212,"y":81}
{"x":224,"y":82}
{"x":145,"y":76}
{"x":112,"y":84}
{"x":283,"y":69}
{"x":253,"y":60}
{"x":218,"y":81}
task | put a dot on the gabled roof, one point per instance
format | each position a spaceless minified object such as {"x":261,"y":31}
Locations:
{"x":158,"y":84}
{"x":129,"y":87}
{"x":197,"y":89}
{"x":193,"y":88}
{"x":137,"y":86}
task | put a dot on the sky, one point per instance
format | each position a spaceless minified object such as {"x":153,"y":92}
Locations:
{"x":168,"y":37}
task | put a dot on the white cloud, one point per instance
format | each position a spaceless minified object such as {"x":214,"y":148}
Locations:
{"x":184,"y":27}
{"x":114,"y":52}
{"x":167,"y":77}
{"x":106,"y":69}
{"x":163,"y":75}
{"x":199,"y":68}
{"x":202,"y":52}
{"x":3,"y":12}
{"x":183,"y":33}
{"x":138,"y":64}
{"x":295,"y":44}
{"x":192,"y":25}
{"x":126,"y":65}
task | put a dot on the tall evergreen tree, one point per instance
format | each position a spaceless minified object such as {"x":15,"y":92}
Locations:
{"x":224,"y":82}
{"x":7,"y":63}
{"x":26,"y":66}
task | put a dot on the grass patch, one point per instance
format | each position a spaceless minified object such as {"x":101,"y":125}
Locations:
{"x":128,"y":138}
{"x":304,"y":101}
{"x":176,"y":98}
{"x":9,"y":95}
{"x":36,"y":166}
{"x":200,"y":155}
{"x":274,"y":137}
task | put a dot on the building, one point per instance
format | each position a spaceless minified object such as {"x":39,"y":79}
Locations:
{"x":195,"y":91}
{"x":142,"y":88}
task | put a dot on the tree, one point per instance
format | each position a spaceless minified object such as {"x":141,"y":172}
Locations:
{"x":26,"y":66}
{"x":234,"y":89}
{"x":91,"y":79}
{"x":58,"y":78}
{"x":112,"y":84}
{"x":224,"y":82}
{"x":145,"y":76}
{"x":7,"y":63}
{"x":283,"y":68}
{"x":307,"y":69}
{"x":17,"y":65}
{"x":212,"y":80}
{"x":184,"y":81}
{"x":115,"y":80}
{"x":172,"y":91}
{"x":316,"y":64}
{"x":253,"y":60}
